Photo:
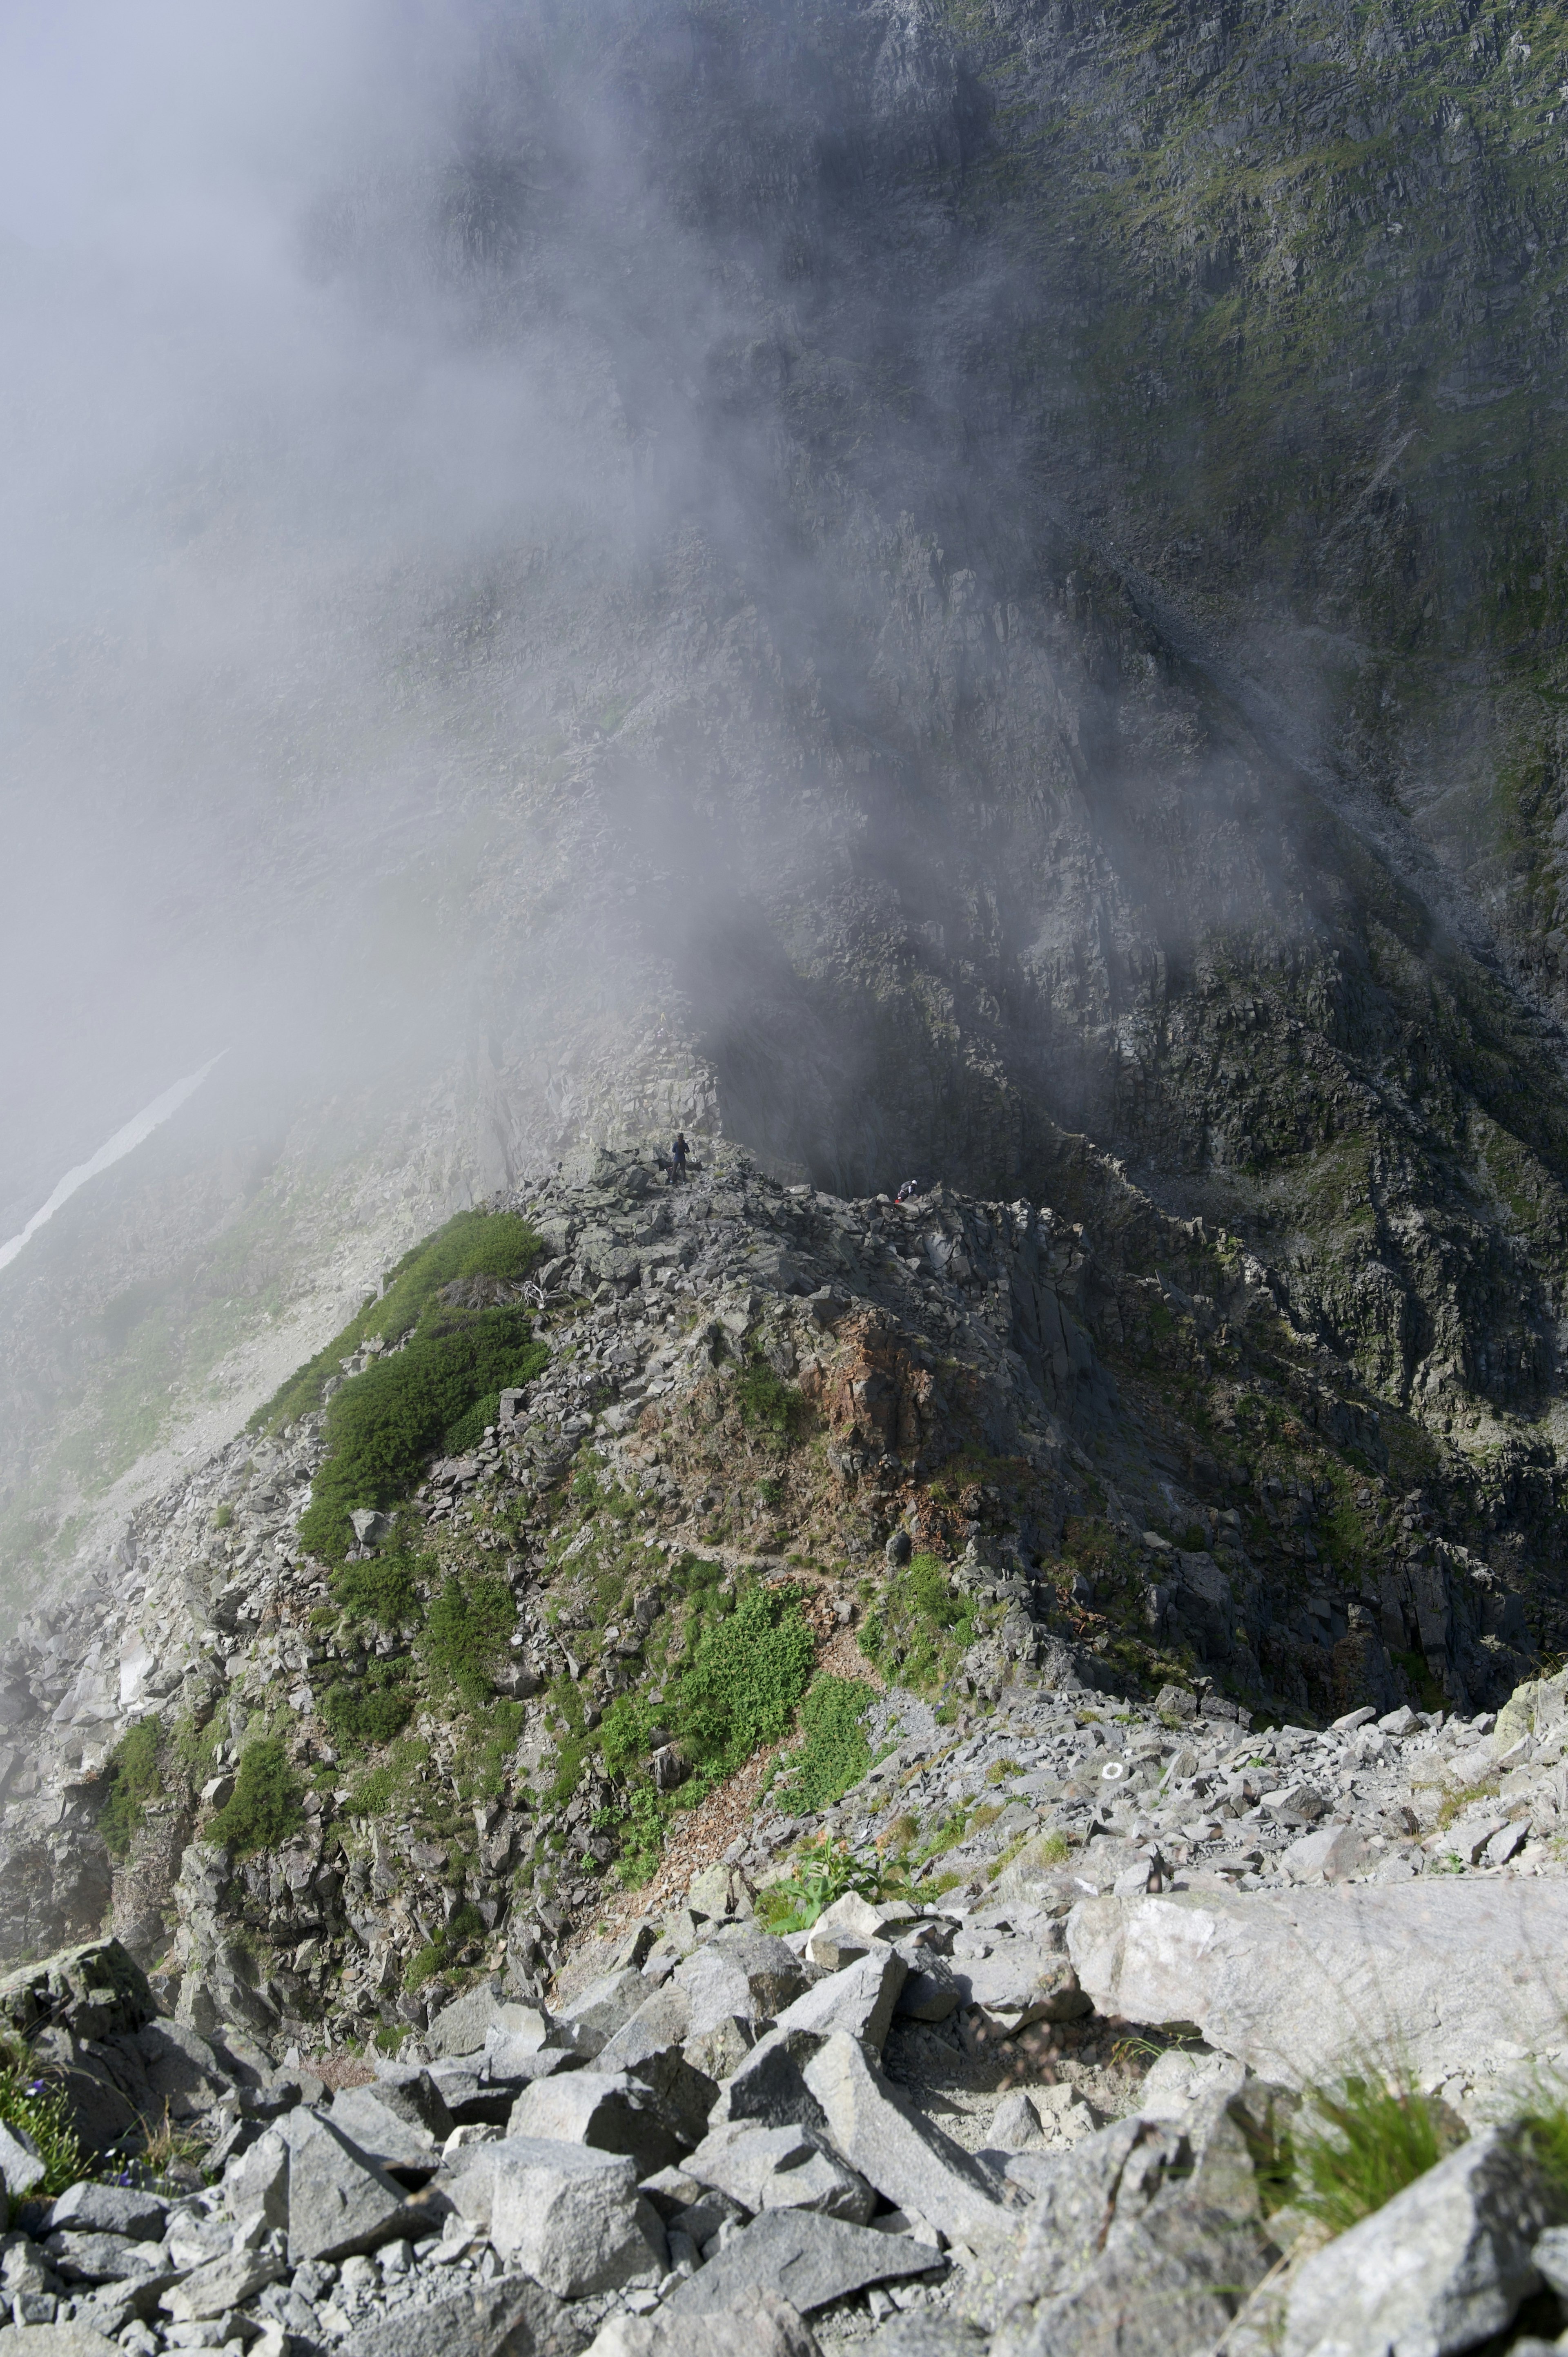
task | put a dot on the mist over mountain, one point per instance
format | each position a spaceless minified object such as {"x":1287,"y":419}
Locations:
{"x":959,"y":589}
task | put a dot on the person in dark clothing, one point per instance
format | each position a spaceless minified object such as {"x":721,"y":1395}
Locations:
{"x":678,"y":1157}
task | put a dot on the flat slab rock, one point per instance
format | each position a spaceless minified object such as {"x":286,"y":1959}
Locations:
{"x":1444,"y":1975}
{"x":807,"y":2258}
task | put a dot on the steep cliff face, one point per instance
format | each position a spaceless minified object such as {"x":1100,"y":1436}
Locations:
{"x":1063,"y":644}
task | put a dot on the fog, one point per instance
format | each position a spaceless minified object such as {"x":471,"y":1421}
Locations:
{"x":527,"y":583}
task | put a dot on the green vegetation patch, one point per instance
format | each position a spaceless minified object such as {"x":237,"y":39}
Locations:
{"x":769,"y":1404}
{"x":374,"y":1793}
{"x":381,"y":1426}
{"x":370,"y":1708}
{"x":1373,"y":2140}
{"x":746,"y":1673}
{"x":466,"y":1633}
{"x":823,"y":1872}
{"x":265,"y":1806}
{"x":30,"y":2105}
{"x":474,"y":1244}
{"x":919,"y":1626}
{"x":835,"y":1754}
{"x":383,"y":1590}
{"x":131,"y":1774}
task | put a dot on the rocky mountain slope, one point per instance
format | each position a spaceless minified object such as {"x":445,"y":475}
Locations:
{"x":740,"y":1831}
{"x":1064,"y":640}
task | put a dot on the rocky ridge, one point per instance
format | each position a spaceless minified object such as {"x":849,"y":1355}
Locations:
{"x":429,"y":2079}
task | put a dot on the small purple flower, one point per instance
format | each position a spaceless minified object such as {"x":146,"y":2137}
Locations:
{"x":35,"y":2086}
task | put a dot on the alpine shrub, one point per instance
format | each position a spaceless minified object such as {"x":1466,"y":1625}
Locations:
{"x":371,"y":1708}
{"x":381,"y":1426}
{"x":474,"y":1244}
{"x":466,"y":1633}
{"x":264,"y":1807}
{"x":132,"y":1775}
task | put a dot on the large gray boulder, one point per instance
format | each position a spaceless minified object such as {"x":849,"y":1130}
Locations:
{"x":1442,"y":2266}
{"x":339,"y":2202}
{"x":592,"y":2019}
{"x":811,"y":2260}
{"x":22,"y":2167}
{"x":572,"y":2217}
{"x":660,"y":2025}
{"x":609,"y":2110}
{"x":90,"y":2209}
{"x":462,"y":2026}
{"x":1143,"y":2239}
{"x":746,"y":1973}
{"x":211,"y":2291}
{"x":1433,"y":1977}
{"x":381,"y":2134}
{"x":780,"y":2168}
{"x":770,"y":2086}
{"x":904,"y":2155}
{"x":859,"y":2000}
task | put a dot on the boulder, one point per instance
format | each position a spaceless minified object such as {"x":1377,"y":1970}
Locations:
{"x":929,"y":1994}
{"x":591,"y":2020}
{"x":339,"y":2202}
{"x":572,"y":2217}
{"x":719,"y":2050}
{"x":759,"y":2322}
{"x":512,"y":2318}
{"x":908,"y":2158}
{"x":1443,"y":2266}
{"x":462,"y":2026}
{"x":1330,"y":1855}
{"x":1142,"y":2239}
{"x":742,"y":1972}
{"x":413,"y":2093}
{"x":859,"y":2000}
{"x":74,"y":2340}
{"x":381,"y":2134}
{"x":220,"y":2285}
{"x":811,"y":2260}
{"x":927,"y":2332}
{"x":1438,"y":1975}
{"x":780,"y":2168}
{"x":21,"y":2165}
{"x":255,"y":2183}
{"x":96,"y":1990}
{"x":97,"y":2258}
{"x":609,"y":2110}
{"x":1019,"y":1984}
{"x":662,"y":2022}
{"x":90,"y":2209}
{"x":770,"y":2086}
{"x":184,"y":2075}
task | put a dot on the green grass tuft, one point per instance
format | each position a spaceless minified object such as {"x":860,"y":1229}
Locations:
{"x":371,"y":1708}
{"x":1374,"y":2139}
{"x":32,"y":2106}
{"x":920,"y":1627}
{"x":382,"y":1590}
